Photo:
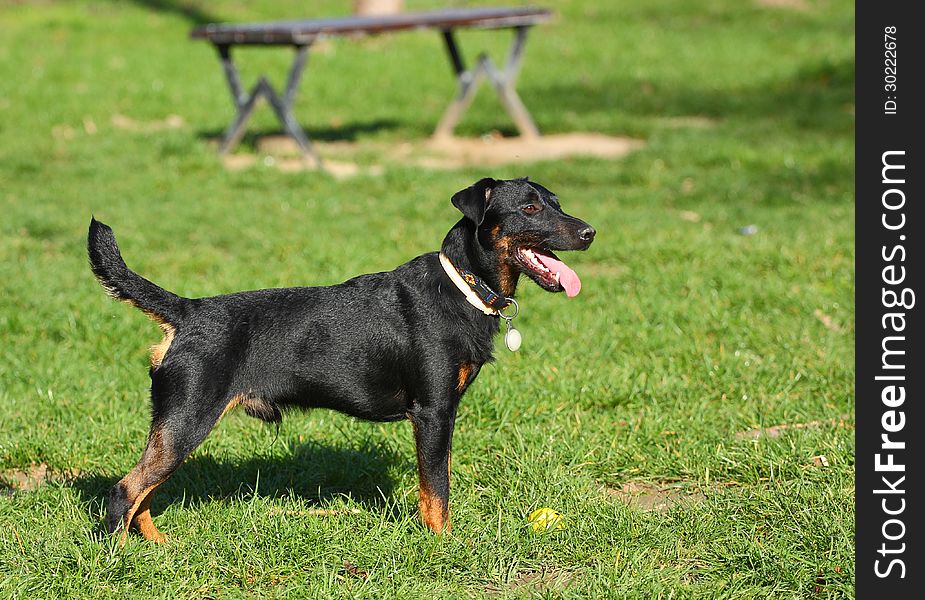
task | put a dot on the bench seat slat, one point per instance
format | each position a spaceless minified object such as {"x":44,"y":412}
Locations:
{"x":304,"y":31}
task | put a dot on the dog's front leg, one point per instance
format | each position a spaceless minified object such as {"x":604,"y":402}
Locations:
{"x":433,"y":435}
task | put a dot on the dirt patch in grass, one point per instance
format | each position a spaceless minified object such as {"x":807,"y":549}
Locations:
{"x":654,"y":496}
{"x":338,"y":169}
{"x":494,"y":150}
{"x":342,"y":158}
{"x":533,"y":582}
{"x":827,"y":321}
{"x":775,"y":431}
{"x":130,"y":124}
{"x":28,"y":479}
{"x":31,"y":478}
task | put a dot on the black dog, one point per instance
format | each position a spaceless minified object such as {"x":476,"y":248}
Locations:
{"x":384,"y":347}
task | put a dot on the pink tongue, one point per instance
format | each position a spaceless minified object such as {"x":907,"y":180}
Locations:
{"x":567,"y":277}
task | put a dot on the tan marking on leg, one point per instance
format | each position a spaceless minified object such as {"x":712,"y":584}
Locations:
{"x":465,"y":371}
{"x":144,"y":523}
{"x":160,"y":349}
{"x":430,"y":506}
{"x":155,"y":454}
{"x":432,"y":514}
{"x":130,"y":515}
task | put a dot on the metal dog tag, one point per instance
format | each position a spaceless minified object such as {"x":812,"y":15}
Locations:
{"x":512,"y":338}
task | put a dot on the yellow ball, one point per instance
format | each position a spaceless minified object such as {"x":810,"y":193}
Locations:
{"x":545,"y":519}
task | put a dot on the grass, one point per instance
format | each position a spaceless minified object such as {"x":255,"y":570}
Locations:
{"x":686,"y":332}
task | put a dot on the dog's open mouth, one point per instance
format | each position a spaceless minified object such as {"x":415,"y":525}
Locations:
{"x":548,"y":271}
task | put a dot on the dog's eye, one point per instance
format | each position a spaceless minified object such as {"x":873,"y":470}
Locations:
{"x":531,"y":208}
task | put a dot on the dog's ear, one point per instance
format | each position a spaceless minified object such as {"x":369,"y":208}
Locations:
{"x":473,"y":200}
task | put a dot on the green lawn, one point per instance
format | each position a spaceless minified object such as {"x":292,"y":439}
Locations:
{"x":686,"y":333}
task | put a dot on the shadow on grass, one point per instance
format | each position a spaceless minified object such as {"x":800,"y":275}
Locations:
{"x":188,"y":10}
{"x":348,"y":133}
{"x":312,"y":472}
{"x":814,"y":98}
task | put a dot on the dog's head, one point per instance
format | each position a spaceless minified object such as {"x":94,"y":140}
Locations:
{"x":520,"y":223}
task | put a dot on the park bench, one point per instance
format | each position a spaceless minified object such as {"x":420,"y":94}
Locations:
{"x":301,"y":34}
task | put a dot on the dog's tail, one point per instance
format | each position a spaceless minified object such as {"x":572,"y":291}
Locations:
{"x":123,"y":284}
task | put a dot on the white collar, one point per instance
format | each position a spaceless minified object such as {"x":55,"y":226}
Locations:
{"x":457,"y":279}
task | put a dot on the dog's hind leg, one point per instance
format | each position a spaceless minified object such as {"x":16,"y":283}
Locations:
{"x":131,"y":496}
{"x":177,"y":429}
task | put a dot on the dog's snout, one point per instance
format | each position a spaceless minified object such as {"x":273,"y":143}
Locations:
{"x":587,"y":234}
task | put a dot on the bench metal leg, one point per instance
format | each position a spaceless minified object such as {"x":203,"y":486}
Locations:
{"x":503,"y":80}
{"x":281,"y":105}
